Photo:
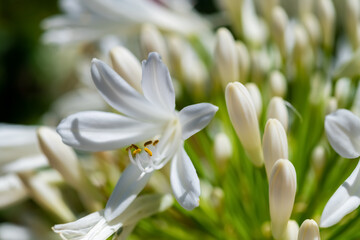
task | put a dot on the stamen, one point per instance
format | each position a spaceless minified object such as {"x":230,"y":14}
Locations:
{"x":129,"y":147}
{"x":136,"y":151}
{"x":147,"y":143}
{"x":155,"y":142}
{"x":148,"y":151}
{"x":134,"y":146}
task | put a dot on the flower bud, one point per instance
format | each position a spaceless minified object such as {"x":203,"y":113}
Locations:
{"x":331,"y":106}
{"x":309,"y":230}
{"x":194,"y":72}
{"x":267,"y":8}
{"x":278,"y":84}
{"x":326,"y":14}
{"x":277,"y":110}
{"x":242,"y":114}
{"x":151,"y":40}
{"x":318,"y":158}
{"x":342,"y":91}
{"x":282,"y":189}
{"x":255,"y":96}
{"x":127,"y":66}
{"x":351,"y":20}
{"x":312,"y":27}
{"x":46,"y":195}
{"x":244,"y":61}
{"x":349,"y":68}
{"x":11,"y":190}
{"x":279,"y":23}
{"x":301,"y":46}
{"x":275,"y":144}
{"x":63,"y":159}
{"x":292,"y":231}
{"x":226,"y":60}
{"x":222,"y":148}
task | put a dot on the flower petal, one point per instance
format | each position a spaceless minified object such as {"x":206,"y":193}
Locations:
{"x":156,"y":83}
{"x":121,"y":96}
{"x":184,"y":181}
{"x":345,"y":200}
{"x":91,"y":227}
{"x":343,"y":132}
{"x":195,"y":117}
{"x":99,"y":131}
{"x":131,"y":182}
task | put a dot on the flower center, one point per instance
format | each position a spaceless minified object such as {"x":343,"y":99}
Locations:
{"x":146,"y":158}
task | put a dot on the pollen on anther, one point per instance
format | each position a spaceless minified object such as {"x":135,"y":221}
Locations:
{"x":147,"y":143}
{"x":134,"y":146}
{"x":148,"y":151}
{"x":136,"y":151}
{"x":155,"y":142}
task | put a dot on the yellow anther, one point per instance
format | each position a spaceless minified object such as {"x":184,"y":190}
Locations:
{"x":136,"y":151}
{"x":148,"y":151}
{"x":147,"y":143}
{"x":155,"y":142}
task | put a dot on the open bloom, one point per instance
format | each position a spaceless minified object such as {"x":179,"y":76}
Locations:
{"x":148,"y":117}
{"x":343,"y":132}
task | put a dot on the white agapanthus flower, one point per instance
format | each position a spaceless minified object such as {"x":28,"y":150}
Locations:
{"x":89,"y":20}
{"x":148,"y":117}
{"x":343,"y":132}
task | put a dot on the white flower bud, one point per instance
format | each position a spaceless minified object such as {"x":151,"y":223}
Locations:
{"x":312,"y":27}
{"x":350,"y":68}
{"x":278,"y":84}
{"x":331,"y":106}
{"x":242,"y":114}
{"x":226,"y":59}
{"x":301,"y":49}
{"x":351,"y":19}
{"x":151,"y":40}
{"x":292,"y":231}
{"x":326,"y":14}
{"x":11,"y":190}
{"x":127,"y":66}
{"x":63,"y":159}
{"x":194,"y":72}
{"x":342,"y":91}
{"x":260,"y":65}
{"x":275,"y":145}
{"x":176,"y":48}
{"x":222,"y":148}
{"x":318,"y":158}
{"x":244,"y":61}
{"x":282,"y":189}
{"x":46,"y":195}
{"x":267,"y":8}
{"x":309,"y":230}
{"x":277,"y":109}
{"x":256,"y":97}
{"x":279,"y":23}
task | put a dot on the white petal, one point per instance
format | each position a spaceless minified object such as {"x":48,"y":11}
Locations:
{"x":184,"y":181}
{"x":345,"y":200}
{"x":121,"y":96}
{"x":15,"y":137}
{"x":25,"y":164}
{"x":131,"y":182}
{"x":11,"y":190}
{"x":195,"y":117}
{"x":99,"y":131}
{"x":343,"y":132}
{"x":156,"y":83}
{"x":90,"y":227}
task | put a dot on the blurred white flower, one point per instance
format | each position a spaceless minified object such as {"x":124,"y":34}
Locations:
{"x":149,"y":117}
{"x":93,"y":19}
{"x":343,"y":132}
